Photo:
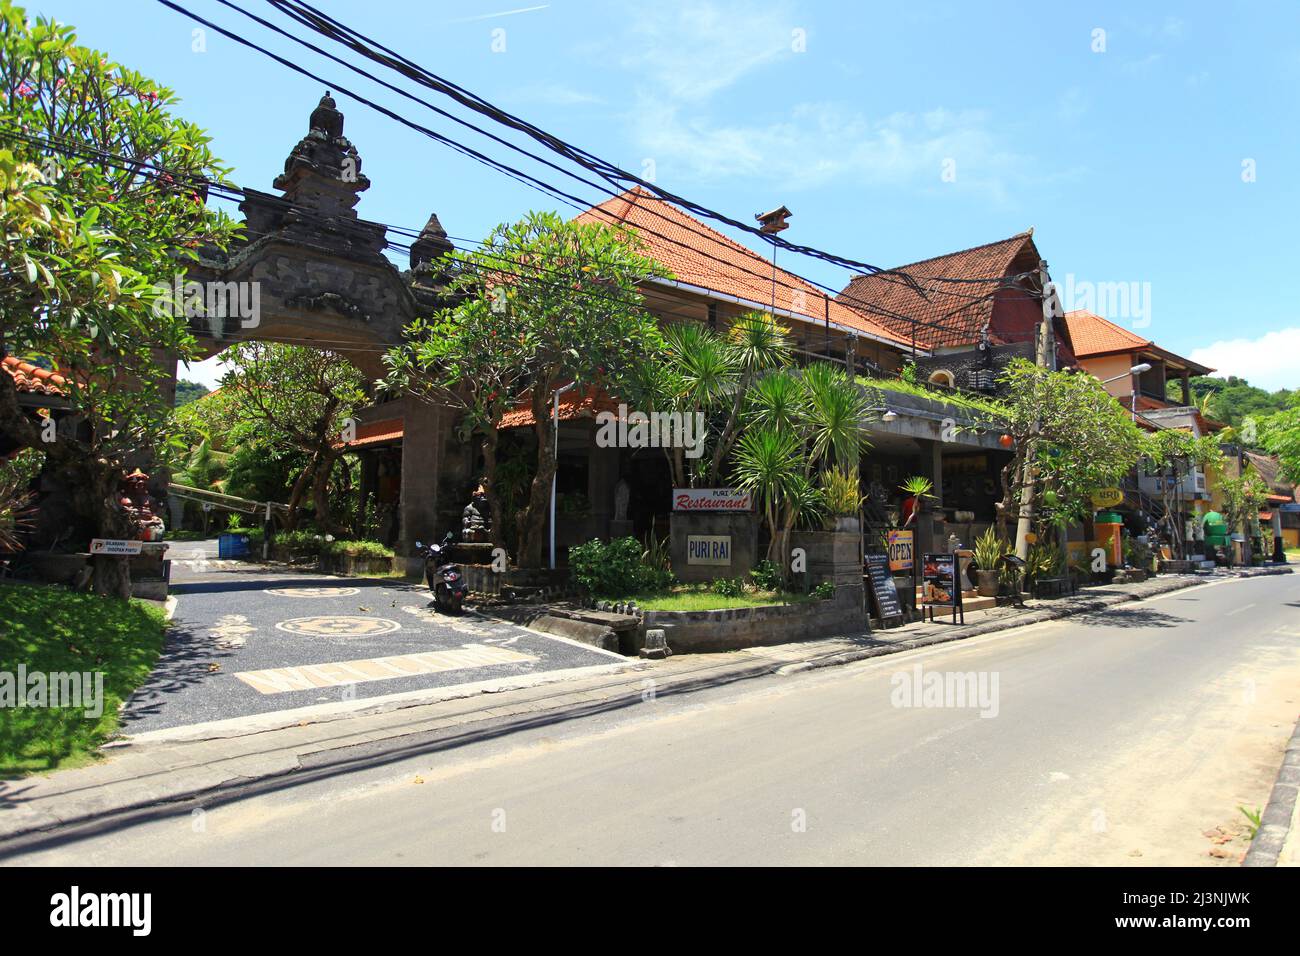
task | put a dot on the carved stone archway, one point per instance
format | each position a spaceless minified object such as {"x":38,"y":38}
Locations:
{"x":315,"y":275}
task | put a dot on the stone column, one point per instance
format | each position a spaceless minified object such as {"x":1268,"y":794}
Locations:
{"x":422,"y":434}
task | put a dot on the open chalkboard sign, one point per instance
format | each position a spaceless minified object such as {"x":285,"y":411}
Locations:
{"x":883,"y":592}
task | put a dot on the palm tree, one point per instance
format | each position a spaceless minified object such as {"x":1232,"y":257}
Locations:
{"x":768,"y":465}
{"x":757,"y":343}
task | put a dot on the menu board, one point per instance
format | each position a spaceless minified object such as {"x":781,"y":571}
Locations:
{"x":939,"y":580}
{"x":882,"y":587}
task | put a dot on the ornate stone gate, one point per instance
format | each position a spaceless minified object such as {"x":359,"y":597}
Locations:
{"x":320,"y":279}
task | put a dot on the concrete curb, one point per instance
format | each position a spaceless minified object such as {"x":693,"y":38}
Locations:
{"x":1078,"y":606}
{"x":1275,"y":824}
{"x":228,"y":770}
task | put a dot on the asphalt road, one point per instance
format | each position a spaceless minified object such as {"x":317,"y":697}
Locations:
{"x":1128,"y":737}
{"x":249,"y":640}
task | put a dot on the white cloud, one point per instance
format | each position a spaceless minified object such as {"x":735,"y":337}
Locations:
{"x":819,"y":142}
{"x":690,"y":51}
{"x":1271,"y":361}
{"x":554,"y":94}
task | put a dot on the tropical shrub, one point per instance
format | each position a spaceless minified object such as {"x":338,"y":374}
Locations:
{"x":615,"y":568}
{"x":766,"y":576}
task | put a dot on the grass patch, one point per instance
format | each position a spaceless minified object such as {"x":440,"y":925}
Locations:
{"x":183,"y":535}
{"x":703,"y":598}
{"x":52,"y":630}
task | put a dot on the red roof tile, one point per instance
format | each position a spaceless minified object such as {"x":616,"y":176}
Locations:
{"x":29,"y":378}
{"x":699,"y":256}
{"x":578,"y":403}
{"x":1091,"y":335}
{"x":376,"y":433}
{"x":957,"y":312}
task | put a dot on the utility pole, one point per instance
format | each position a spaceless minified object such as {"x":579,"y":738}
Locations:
{"x":1045,"y":357}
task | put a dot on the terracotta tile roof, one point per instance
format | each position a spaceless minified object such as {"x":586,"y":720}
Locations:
{"x":375,"y":433}
{"x":1090,"y":335}
{"x":948,"y":305}
{"x":29,"y":378}
{"x":578,"y":403}
{"x":700,"y":256}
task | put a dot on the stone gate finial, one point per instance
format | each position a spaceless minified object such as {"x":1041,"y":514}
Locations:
{"x":326,"y":117}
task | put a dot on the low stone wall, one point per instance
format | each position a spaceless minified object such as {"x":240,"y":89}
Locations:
{"x":355,"y":565}
{"x":735,"y":628}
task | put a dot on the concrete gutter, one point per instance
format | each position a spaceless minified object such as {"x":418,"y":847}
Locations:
{"x":147,"y":777}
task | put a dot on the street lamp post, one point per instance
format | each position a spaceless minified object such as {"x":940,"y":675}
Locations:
{"x":1132,"y":374}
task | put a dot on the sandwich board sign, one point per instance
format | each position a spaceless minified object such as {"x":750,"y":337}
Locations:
{"x":883,"y":590}
{"x":939,"y":584}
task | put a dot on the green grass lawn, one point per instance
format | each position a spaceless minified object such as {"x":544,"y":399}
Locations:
{"x":51,"y":629}
{"x":702,"y":598}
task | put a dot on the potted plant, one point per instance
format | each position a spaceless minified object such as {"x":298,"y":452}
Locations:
{"x":918,"y":487}
{"x":989,"y":550}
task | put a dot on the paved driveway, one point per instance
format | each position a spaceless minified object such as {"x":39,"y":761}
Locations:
{"x":250,"y":640}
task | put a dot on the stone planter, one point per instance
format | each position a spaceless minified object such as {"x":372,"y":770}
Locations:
{"x":689,"y":632}
{"x":988,"y":583}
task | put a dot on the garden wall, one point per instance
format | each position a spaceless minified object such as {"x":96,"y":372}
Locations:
{"x":735,"y":628}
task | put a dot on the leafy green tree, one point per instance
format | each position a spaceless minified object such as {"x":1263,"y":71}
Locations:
{"x":467,"y":357}
{"x":1243,"y":497}
{"x":1280,"y":435}
{"x":557,"y":300}
{"x":1174,"y":453}
{"x":1076,"y":435}
{"x":297,"y":398}
{"x":84,"y":247}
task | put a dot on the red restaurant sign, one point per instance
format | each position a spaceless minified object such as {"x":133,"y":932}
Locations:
{"x":712,"y":499}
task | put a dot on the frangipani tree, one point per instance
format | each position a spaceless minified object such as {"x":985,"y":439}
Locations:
{"x":547,"y":304}
{"x":120,"y":206}
{"x":1077,"y":435}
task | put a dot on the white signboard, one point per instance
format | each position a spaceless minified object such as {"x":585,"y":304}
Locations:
{"x":708,"y":549}
{"x":114,"y":546}
{"x":712,"y":499}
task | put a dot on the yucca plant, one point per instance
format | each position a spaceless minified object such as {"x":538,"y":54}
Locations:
{"x":989,"y":550}
{"x":841,"y":491}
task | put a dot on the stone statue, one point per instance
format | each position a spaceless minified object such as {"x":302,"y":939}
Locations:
{"x":621,"y":494}
{"x":476,"y":519}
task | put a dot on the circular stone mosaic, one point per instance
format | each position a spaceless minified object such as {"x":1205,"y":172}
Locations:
{"x":313,"y":592}
{"x":338,"y":626}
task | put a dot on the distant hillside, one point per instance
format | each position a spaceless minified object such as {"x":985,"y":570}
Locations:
{"x":187,"y":392}
{"x":1231,"y":399}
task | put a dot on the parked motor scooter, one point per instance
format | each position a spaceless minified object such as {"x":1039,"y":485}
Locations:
{"x":444,"y":578}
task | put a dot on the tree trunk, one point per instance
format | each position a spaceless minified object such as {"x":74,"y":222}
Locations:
{"x":533,"y":527}
{"x":491,"y":438}
{"x":320,"y":491}
{"x":296,"y":495}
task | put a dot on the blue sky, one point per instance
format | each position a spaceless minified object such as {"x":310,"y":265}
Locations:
{"x":1161,"y":151}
